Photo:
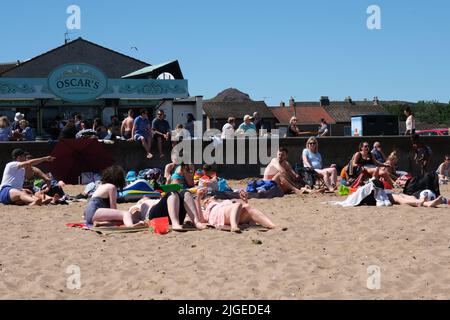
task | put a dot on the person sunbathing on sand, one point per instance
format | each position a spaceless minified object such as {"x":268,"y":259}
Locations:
{"x":403,"y":199}
{"x":102,"y":209}
{"x":172,"y":205}
{"x":229,"y":213}
{"x":280,"y":171}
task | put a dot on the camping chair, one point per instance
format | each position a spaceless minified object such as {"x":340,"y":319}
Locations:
{"x":308,"y":174}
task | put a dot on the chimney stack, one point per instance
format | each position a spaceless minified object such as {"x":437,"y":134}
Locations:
{"x":292,"y":105}
{"x":282,"y":104}
{"x":376,"y":101}
{"x":349,"y":100}
{"x":324,"y":101}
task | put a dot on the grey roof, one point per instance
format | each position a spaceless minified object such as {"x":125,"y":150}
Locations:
{"x":7,"y":66}
{"x":343,"y":112}
{"x":112,"y":63}
{"x":224,"y":110}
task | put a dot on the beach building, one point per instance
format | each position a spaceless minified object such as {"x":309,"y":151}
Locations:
{"x":338,"y":114}
{"x":234,"y":103}
{"x":84,"y":77}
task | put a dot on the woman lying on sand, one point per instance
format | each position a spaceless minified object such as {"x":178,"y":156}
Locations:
{"x":229,"y":213}
{"x":412,"y":201}
{"x":172,"y":205}
{"x":102,"y":207}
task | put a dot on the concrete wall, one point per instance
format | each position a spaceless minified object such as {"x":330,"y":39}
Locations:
{"x":336,"y":150}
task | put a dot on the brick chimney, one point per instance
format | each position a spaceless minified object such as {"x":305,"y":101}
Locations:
{"x":376,"y":102}
{"x":324,"y":101}
{"x":292,"y":105}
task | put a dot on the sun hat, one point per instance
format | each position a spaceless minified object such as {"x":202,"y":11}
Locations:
{"x":19,"y":116}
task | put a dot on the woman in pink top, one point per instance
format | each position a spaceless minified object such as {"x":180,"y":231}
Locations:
{"x":229,"y":213}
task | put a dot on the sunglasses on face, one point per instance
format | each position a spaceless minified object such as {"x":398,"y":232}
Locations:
{"x":312,"y":143}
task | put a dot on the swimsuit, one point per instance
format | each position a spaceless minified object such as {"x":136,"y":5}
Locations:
{"x":93,"y":205}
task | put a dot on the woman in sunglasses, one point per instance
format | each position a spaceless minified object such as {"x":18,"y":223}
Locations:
{"x":364,"y":162}
{"x":293,"y":130}
{"x":313,"y":159}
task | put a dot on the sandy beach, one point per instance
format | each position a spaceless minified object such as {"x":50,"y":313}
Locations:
{"x":324,"y":254}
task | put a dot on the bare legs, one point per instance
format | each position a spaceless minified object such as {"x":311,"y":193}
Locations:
{"x":20,"y":197}
{"x":106,"y":216}
{"x":287,"y":184}
{"x":403,"y":199}
{"x":191,"y":209}
{"x":147,"y":144}
{"x":330,"y":178}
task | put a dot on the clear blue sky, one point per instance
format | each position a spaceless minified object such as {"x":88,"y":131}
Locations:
{"x":269,"y":49}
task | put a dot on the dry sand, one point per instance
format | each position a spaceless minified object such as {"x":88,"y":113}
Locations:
{"x":324,"y":254}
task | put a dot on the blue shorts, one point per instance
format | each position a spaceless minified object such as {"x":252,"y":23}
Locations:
{"x":139,"y":137}
{"x":4,"y":195}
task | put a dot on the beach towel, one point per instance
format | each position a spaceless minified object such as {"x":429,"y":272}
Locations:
{"x":276,"y":192}
{"x":137,"y":190}
{"x":106,"y":230}
{"x":260,"y":186}
{"x":371,"y":194}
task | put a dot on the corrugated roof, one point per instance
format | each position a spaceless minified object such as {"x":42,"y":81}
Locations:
{"x":224,"y":110}
{"x":304,"y":114}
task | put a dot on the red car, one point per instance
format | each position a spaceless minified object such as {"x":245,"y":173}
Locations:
{"x":433,"y":132}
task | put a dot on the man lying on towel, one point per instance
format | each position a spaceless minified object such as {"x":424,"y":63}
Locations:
{"x":11,"y":189}
{"x":280,"y":171}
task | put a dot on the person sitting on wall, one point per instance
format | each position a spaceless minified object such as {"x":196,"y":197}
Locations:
{"x":86,"y":131}
{"x":293,"y":130}
{"x":142,"y":131}
{"x":280,"y":171}
{"x":11,"y":188}
{"x":161,"y":131}
{"x":247,"y":127}
{"x":27,"y":132}
{"x":323,"y":128}
{"x":127,"y":126}
{"x":179,"y":134}
{"x":422,"y":156}
{"x":228,"y":129}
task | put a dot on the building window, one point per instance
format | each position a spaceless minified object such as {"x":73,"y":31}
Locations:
{"x":166,"y":76}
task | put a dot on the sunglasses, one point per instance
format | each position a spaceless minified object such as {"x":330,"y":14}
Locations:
{"x":312,"y":143}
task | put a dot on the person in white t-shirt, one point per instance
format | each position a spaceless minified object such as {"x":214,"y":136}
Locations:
{"x":11,"y":188}
{"x":228,"y":129}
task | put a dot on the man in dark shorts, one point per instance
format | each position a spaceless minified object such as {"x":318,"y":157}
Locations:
{"x":161,"y":131}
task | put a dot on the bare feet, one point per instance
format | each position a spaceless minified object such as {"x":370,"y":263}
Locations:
{"x":140,"y":224}
{"x":236,"y":230}
{"x":201,"y":226}
{"x":435,"y":203}
{"x":243,"y":195}
{"x":37,"y":202}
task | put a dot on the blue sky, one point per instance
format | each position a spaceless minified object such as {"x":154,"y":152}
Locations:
{"x":269,"y":49}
